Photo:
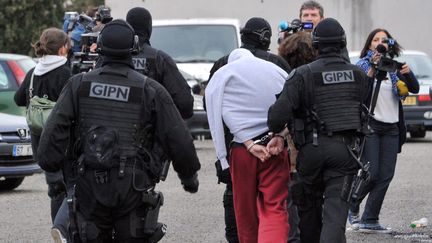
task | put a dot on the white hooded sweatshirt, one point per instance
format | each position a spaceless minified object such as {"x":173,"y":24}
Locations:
{"x":240,"y":94}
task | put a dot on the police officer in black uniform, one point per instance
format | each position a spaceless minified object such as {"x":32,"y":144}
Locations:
{"x":255,"y":36}
{"x":113,"y":116}
{"x":158,"y":65}
{"x":321,"y":103}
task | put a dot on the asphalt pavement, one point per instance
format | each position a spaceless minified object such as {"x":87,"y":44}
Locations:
{"x":198,"y":218}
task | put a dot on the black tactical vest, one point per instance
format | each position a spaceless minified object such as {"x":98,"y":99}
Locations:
{"x":113,"y":100}
{"x":333,"y":92}
{"x":145,"y":62}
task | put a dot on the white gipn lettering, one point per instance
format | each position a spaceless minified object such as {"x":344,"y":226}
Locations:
{"x":338,"y":77}
{"x":109,"y":91}
{"x":139,"y":63}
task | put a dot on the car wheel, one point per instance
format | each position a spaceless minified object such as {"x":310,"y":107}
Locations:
{"x":10,"y":183}
{"x":418,"y":134}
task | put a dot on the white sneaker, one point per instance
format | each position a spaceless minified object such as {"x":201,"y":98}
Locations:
{"x":57,"y":236}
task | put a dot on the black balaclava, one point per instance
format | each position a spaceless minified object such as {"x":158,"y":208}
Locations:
{"x":329,"y":36}
{"x":141,"y":20}
{"x":251,"y":33}
{"x":116,"y":41}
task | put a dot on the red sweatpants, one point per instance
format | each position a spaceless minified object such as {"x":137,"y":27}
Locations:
{"x":260,"y":190}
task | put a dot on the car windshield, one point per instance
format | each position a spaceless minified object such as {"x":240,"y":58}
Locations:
{"x":195,"y":43}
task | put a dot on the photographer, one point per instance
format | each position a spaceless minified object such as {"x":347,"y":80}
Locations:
{"x":388,"y":128}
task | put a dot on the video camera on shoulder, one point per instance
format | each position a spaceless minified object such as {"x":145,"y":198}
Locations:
{"x":85,"y":60}
{"x":103,"y":14}
{"x":295,"y":26}
{"x":74,"y":18}
{"x":386,"y":62}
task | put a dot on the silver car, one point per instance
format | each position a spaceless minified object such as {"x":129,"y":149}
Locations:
{"x":16,"y":155}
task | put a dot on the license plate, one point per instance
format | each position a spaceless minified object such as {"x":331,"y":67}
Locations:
{"x":22,"y":150}
{"x":410,"y":100}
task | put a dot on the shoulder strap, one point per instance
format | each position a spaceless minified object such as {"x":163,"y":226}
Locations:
{"x":31,"y":86}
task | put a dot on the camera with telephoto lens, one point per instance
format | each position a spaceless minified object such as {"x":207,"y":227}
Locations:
{"x":386,"y":62}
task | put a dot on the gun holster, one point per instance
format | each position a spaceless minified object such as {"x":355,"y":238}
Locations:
{"x":73,"y":224}
{"x":153,"y":200}
{"x":359,"y":181}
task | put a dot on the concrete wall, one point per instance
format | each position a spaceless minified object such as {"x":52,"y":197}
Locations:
{"x":409,"y":21}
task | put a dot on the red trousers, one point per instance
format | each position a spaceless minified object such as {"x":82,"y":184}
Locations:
{"x":260,"y":190}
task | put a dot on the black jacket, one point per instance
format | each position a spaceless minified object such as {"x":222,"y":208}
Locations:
{"x":167,"y":74}
{"x":291,"y":101}
{"x":51,"y":84}
{"x":170,"y":128}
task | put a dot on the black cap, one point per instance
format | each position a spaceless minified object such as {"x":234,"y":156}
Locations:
{"x":141,"y":20}
{"x":256,"y":32}
{"x":329,"y":33}
{"x":116,"y":39}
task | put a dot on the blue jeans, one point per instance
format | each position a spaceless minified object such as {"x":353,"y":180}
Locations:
{"x":61,"y":221}
{"x":381,"y":148}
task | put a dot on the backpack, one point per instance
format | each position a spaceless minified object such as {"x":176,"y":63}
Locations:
{"x":38,"y":110}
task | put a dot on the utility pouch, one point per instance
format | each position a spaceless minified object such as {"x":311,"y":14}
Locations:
{"x":223,"y":176}
{"x":100,"y":148}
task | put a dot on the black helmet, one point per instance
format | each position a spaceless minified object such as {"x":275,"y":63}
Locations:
{"x":328,"y":33}
{"x":117,"y":39}
{"x":257,"y":32}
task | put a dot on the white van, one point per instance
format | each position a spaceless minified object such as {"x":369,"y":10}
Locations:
{"x":195,"y":44}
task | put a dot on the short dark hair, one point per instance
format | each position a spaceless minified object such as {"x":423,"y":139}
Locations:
{"x":396,"y":47}
{"x":311,"y":5}
{"x":297,"y":49}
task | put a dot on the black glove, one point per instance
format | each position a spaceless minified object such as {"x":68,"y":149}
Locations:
{"x":190,"y":184}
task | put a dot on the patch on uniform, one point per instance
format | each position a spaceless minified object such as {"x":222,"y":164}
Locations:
{"x":140,"y":63}
{"x":109,"y":91}
{"x":336,"y":77}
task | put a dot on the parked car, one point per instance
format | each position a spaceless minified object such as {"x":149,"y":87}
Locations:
{"x":195,"y":44}
{"x":417,"y":107}
{"x":16,"y":155}
{"x":13,"y":68}
{"x":198,"y":124}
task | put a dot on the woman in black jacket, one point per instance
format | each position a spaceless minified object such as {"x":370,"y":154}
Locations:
{"x":388,"y":127}
{"x":49,"y":77}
